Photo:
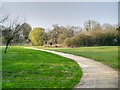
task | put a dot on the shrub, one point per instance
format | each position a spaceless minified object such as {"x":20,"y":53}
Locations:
{"x":70,"y":42}
{"x":94,"y":38}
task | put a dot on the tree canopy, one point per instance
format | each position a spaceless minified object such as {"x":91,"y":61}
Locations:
{"x":36,"y":36}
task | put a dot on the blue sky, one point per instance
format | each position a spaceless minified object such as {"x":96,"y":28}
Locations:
{"x":45,"y":14}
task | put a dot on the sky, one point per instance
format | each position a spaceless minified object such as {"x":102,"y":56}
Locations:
{"x":45,"y":14}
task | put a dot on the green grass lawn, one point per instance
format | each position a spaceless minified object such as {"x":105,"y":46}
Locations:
{"x":105,"y":54}
{"x":26,"y":68}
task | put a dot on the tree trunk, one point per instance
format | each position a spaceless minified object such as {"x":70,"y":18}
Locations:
{"x":7,"y":45}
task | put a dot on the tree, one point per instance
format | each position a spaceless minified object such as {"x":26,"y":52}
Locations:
{"x":26,"y":30}
{"x":3,"y":18}
{"x":11,"y":32}
{"x":19,"y":38}
{"x":55,"y":33}
{"x":107,"y":26}
{"x":87,"y":25}
{"x":97,"y":27}
{"x":62,"y":37}
{"x":11,"y":29}
{"x":70,"y":42}
{"x":23,"y":34}
{"x":92,"y":25}
{"x":36,"y":36}
{"x":59,"y":33}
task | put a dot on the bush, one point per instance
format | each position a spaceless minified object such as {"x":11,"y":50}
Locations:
{"x":70,"y":42}
{"x":94,"y":38}
{"x":106,"y":38}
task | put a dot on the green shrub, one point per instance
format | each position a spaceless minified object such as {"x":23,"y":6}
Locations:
{"x":94,"y":38}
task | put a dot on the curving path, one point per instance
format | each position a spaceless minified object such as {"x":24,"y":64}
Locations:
{"x":95,"y":74}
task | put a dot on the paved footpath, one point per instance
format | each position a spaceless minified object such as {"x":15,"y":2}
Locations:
{"x":95,"y":74}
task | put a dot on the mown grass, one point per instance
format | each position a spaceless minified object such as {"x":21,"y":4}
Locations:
{"x":26,"y":68}
{"x":106,"y":54}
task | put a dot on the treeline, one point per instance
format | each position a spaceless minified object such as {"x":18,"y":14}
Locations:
{"x":92,"y":34}
{"x":94,"y":38}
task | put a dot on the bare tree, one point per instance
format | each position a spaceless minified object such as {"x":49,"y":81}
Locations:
{"x":12,"y":31}
{"x":91,"y":25}
{"x":11,"y":27}
{"x":3,"y":17}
